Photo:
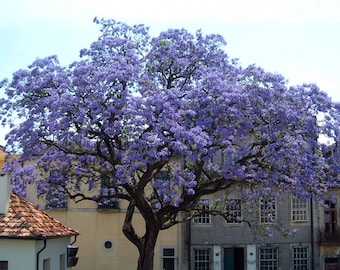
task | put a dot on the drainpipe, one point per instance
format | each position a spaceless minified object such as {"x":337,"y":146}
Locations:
{"x":75,"y":240}
{"x":312,"y":231}
{"x":40,"y":252}
{"x":189,"y":243}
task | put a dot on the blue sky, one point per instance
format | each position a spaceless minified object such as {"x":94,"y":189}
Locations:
{"x":297,"y":38}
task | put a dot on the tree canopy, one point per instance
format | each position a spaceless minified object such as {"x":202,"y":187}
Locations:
{"x":132,"y":104}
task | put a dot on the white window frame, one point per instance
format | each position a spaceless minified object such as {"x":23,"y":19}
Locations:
{"x":205,"y":218}
{"x":270,"y":258}
{"x":299,"y":262}
{"x":299,"y":210}
{"x":233,"y":211}
{"x":207,"y":260}
{"x":174,"y":257}
{"x":267,"y":208}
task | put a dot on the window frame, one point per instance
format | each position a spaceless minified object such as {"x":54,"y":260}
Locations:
{"x":297,"y":261}
{"x":174,"y":256}
{"x":298,"y":209}
{"x":331,"y":217}
{"x":233,"y":212}
{"x":161,"y":176}
{"x":107,"y":203}
{"x":62,"y":198}
{"x":265,"y":211}
{"x":197,"y":264}
{"x":204,"y":218}
{"x":271,"y":260}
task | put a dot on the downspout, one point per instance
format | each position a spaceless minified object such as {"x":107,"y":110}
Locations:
{"x":312,"y":231}
{"x":189,"y":243}
{"x":45,"y":240}
{"x":75,"y":240}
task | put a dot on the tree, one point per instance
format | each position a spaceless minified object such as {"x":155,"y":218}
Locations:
{"x":132,"y":104}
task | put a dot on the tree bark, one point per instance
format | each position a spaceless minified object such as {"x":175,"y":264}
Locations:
{"x":146,"y":251}
{"x":145,"y":244}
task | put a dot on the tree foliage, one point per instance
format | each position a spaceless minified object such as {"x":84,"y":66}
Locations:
{"x":132,"y":104}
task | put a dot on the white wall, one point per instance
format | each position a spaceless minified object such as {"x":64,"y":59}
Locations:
{"x":54,"y":248}
{"x":20,"y":254}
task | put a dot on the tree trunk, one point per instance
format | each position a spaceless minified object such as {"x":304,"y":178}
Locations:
{"x":145,"y":244}
{"x":146,"y":251}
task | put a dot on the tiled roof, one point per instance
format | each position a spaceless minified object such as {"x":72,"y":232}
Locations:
{"x":25,"y":221}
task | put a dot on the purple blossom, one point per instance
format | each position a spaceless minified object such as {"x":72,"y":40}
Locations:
{"x":132,"y":105}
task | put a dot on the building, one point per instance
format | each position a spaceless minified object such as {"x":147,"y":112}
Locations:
{"x":227,"y":244}
{"x":329,"y":234}
{"x":29,"y":238}
{"x":102,"y":244}
{"x":210,"y":242}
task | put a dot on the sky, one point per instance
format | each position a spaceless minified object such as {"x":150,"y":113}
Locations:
{"x":297,"y":38}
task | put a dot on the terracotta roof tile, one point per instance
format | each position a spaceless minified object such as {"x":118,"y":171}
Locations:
{"x":24,"y":220}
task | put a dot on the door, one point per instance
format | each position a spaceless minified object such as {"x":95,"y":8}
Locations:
{"x":168,"y":259}
{"x":233,"y":259}
{"x":331,"y":264}
{"x":330,"y":218}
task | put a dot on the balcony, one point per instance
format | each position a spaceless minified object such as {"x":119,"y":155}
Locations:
{"x":108,"y":204}
{"x":330,"y":238}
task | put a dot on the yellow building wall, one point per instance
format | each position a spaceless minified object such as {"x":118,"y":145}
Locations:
{"x":97,"y":226}
{"x":2,"y":158}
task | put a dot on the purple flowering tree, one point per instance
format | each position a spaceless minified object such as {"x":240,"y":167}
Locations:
{"x":132,"y":104}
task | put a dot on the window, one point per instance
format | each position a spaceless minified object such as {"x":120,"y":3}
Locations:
{"x":233,"y":211}
{"x":108,"y":245}
{"x":269,"y":258}
{"x":299,"y":210}
{"x":168,"y":259}
{"x":300,"y":258}
{"x":202,"y":259}
{"x":203,"y":218}
{"x":3,"y":265}
{"x":47,"y":264}
{"x":267,"y":210}
{"x":56,"y":199}
{"x":106,"y":191}
{"x":214,"y":165}
{"x":56,"y":196}
{"x":62,"y":262}
{"x":330,"y":217}
{"x":161,"y":182}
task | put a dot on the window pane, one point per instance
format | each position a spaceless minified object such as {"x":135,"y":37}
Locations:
{"x":233,"y":211}
{"x":201,"y":259}
{"x":268,"y":259}
{"x":267,"y":210}
{"x":299,"y":210}
{"x":168,"y":252}
{"x":203,"y":218}
{"x":300,"y":258}
{"x":3,"y":265}
{"x":168,"y":264}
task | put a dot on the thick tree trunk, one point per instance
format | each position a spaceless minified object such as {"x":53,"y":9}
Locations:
{"x":147,"y":250}
{"x":145,"y":244}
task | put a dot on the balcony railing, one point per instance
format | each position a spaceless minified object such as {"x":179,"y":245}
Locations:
{"x":108,"y":205}
{"x":330,"y":238}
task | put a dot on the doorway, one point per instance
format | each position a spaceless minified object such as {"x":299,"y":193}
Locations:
{"x":233,"y":259}
{"x":331,"y":263}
